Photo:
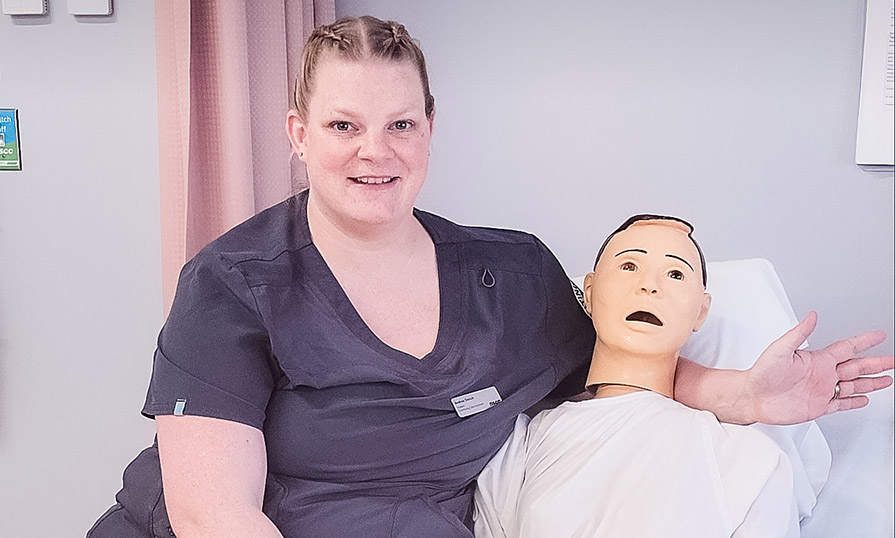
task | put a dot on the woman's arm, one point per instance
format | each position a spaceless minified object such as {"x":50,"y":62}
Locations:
{"x":787,"y":385}
{"x":214,"y":473}
{"x":712,"y":389}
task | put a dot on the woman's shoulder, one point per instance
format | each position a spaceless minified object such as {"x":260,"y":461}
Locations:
{"x":499,"y":249}
{"x":272,"y":231}
{"x":443,"y":230}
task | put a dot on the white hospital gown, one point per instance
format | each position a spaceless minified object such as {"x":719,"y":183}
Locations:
{"x":635,"y":466}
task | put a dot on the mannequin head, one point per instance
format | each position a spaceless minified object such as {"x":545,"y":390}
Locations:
{"x":646,"y":296}
{"x":656,"y":219}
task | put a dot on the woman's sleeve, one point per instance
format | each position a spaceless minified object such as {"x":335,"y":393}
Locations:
{"x":569,"y":328}
{"x":214,"y":356}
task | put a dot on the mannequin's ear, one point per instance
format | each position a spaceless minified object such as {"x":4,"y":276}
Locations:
{"x":588,"y":287}
{"x":703,"y":311}
{"x":297,"y":133}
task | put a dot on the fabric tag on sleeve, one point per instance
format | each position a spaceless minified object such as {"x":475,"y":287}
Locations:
{"x":476,"y":402}
{"x":178,"y":406}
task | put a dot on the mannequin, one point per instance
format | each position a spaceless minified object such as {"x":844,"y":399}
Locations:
{"x":651,"y":296}
{"x":631,"y":461}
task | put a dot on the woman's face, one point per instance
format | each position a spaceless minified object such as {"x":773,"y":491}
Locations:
{"x":365,"y":142}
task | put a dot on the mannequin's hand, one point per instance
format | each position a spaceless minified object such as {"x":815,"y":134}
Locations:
{"x":787,"y":385}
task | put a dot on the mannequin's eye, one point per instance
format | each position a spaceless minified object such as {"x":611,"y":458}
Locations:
{"x":628,"y":266}
{"x":675,"y":274}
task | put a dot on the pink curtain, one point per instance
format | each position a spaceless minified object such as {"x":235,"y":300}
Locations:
{"x":225,"y":72}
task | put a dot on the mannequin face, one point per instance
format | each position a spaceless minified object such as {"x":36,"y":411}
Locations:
{"x":646,"y":294}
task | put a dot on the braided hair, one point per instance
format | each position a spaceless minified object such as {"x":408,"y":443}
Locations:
{"x":355,"y":39}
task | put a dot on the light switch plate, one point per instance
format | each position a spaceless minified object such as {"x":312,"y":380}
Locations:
{"x":89,"y":7}
{"x":24,"y":7}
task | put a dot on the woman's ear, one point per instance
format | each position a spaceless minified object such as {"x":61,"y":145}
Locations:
{"x":703,"y":311}
{"x":588,"y":286}
{"x":297,"y":133}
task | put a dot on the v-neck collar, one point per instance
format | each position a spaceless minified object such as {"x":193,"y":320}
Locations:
{"x":449,"y":301}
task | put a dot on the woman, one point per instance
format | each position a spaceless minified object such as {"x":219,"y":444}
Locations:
{"x":344,"y":365}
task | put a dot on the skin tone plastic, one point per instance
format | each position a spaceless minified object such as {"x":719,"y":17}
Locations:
{"x":646,"y":297}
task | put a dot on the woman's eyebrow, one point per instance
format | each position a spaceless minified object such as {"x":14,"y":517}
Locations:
{"x":630,"y":250}
{"x":681,"y":259}
{"x":339,"y":111}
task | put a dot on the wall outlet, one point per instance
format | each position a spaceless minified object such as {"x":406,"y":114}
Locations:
{"x":24,"y":7}
{"x":89,"y":7}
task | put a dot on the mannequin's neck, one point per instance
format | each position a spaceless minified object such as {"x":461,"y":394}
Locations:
{"x":614,"y":372}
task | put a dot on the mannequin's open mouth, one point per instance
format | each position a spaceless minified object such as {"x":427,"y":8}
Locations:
{"x":644,"y":317}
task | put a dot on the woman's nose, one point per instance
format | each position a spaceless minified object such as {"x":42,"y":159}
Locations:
{"x":374,"y":146}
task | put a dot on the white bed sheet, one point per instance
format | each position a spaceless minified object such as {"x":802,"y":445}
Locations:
{"x":858,"y":500}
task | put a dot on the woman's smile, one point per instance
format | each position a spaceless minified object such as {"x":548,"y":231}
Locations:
{"x":374,"y":180}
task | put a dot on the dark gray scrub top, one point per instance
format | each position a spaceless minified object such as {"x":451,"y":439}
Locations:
{"x":362,"y":439}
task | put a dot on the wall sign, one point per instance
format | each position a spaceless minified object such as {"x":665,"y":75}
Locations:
{"x":876,"y":112}
{"x":10,"y":155}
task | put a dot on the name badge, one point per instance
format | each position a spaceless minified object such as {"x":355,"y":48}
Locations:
{"x":476,"y":402}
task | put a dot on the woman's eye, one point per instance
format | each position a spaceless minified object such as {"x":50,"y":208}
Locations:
{"x":675,"y":274}
{"x":341,"y":126}
{"x":628,"y":266}
{"x":402,"y":125}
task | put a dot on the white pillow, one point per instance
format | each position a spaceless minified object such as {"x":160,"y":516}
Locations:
{"x":750,"y":310}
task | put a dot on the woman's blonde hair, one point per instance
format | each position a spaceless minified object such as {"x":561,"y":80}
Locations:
{"x":358,"y":39}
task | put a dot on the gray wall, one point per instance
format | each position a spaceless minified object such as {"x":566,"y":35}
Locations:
{"x":564,"y":118}
{"x":738,"y":116}
{"x":80,"y":299}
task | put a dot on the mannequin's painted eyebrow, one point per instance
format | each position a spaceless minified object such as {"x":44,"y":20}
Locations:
{"x":631,"y":250}
{"x":642,"y":251}
{"x":681,"y":259}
